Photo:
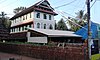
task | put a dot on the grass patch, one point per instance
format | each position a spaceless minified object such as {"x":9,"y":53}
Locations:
{"x":95,"y":57}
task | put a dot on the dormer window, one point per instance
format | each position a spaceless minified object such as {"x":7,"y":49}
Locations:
{"x":44,"y":16}
{"x":38,"y":15}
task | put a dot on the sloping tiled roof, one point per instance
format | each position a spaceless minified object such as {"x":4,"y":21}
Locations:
{"x":34,"y":8}
{"x":55,"y":33}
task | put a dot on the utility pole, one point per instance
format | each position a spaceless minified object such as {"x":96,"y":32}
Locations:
{"x":89,"y":29}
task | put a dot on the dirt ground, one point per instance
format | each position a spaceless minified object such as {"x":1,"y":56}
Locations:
{"x":7,"y":56}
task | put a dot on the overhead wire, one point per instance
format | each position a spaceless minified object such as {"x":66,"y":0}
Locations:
{"x":55,"y":7}
{"x":64,"y":12}
{"x":72,"y":21}
{"x":68,"y":4}
{"x":93,"y":3}
{"x":69,"y":14}
{"x":65,"y":4}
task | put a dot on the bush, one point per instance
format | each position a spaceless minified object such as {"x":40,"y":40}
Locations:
{"x":95,"y":57}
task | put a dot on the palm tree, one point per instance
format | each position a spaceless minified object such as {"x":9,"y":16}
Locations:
{"x":72,"y":23}
{"x":80,"y":19}
{"x":80,"y":15}
{"x":19,"y":9}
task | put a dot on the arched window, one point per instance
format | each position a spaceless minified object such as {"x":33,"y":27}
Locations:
{"x":38,"y":25}
{"x":50,"y":27}
{"x":49,"y":17}
{"x":44,"y":16}
{"x":44,"y":26}
{"x":38,"y":15}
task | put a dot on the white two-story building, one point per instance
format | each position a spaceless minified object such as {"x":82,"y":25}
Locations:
{"x":36,"y":24}
{"x":39,"y":16}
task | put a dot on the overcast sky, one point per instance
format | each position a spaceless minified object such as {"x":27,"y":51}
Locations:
{"x":72,"y":7}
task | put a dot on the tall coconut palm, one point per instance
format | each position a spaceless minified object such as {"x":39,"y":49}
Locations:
{"x":72,"y":23}
{"x":80,"y":19}
{"x":80,"y":15}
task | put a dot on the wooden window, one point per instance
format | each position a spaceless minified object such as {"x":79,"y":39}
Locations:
{"x":38,"y":25}
{"x":26,"y":27}
{"x":23,"y":28}
{"x":26,"y":16}
{"x":15,"y":20}
{"x":49,"y":17}
{"x":23,"y":17}
{"x":14,"y":29}
{"x":30,"y":15}
{"x":30,"y":25}
{"x":44,"y":16}
{"x":38,"y":15}
{"x":50,"y":27}
{"x":19,"y":28}
{"x":10,"y":30}
{"x":44,"y":26}
{"x":20,"y":18}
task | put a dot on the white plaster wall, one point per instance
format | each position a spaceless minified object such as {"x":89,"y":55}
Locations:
{"x":21,"y":21}
{"x":37,"y":39}
{"x":43,"y":21}
{"x":35,"y":20}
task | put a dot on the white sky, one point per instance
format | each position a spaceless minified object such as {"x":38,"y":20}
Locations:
{"x":8,"y":5}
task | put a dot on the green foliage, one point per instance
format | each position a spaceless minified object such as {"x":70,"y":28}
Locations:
{"x":61,"y":25}
{"x":78,"y":22}
{"x":73,"y":26}
{"x":18,"y":9}
{"x":7,"y":23}
{"x":80,"y":14}
{"x":95,"y":57}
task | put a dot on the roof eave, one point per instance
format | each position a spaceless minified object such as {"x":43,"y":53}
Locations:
{"x":28,"y":10}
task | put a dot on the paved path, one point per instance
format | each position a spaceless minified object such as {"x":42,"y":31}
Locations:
{"x":6,"y":56}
